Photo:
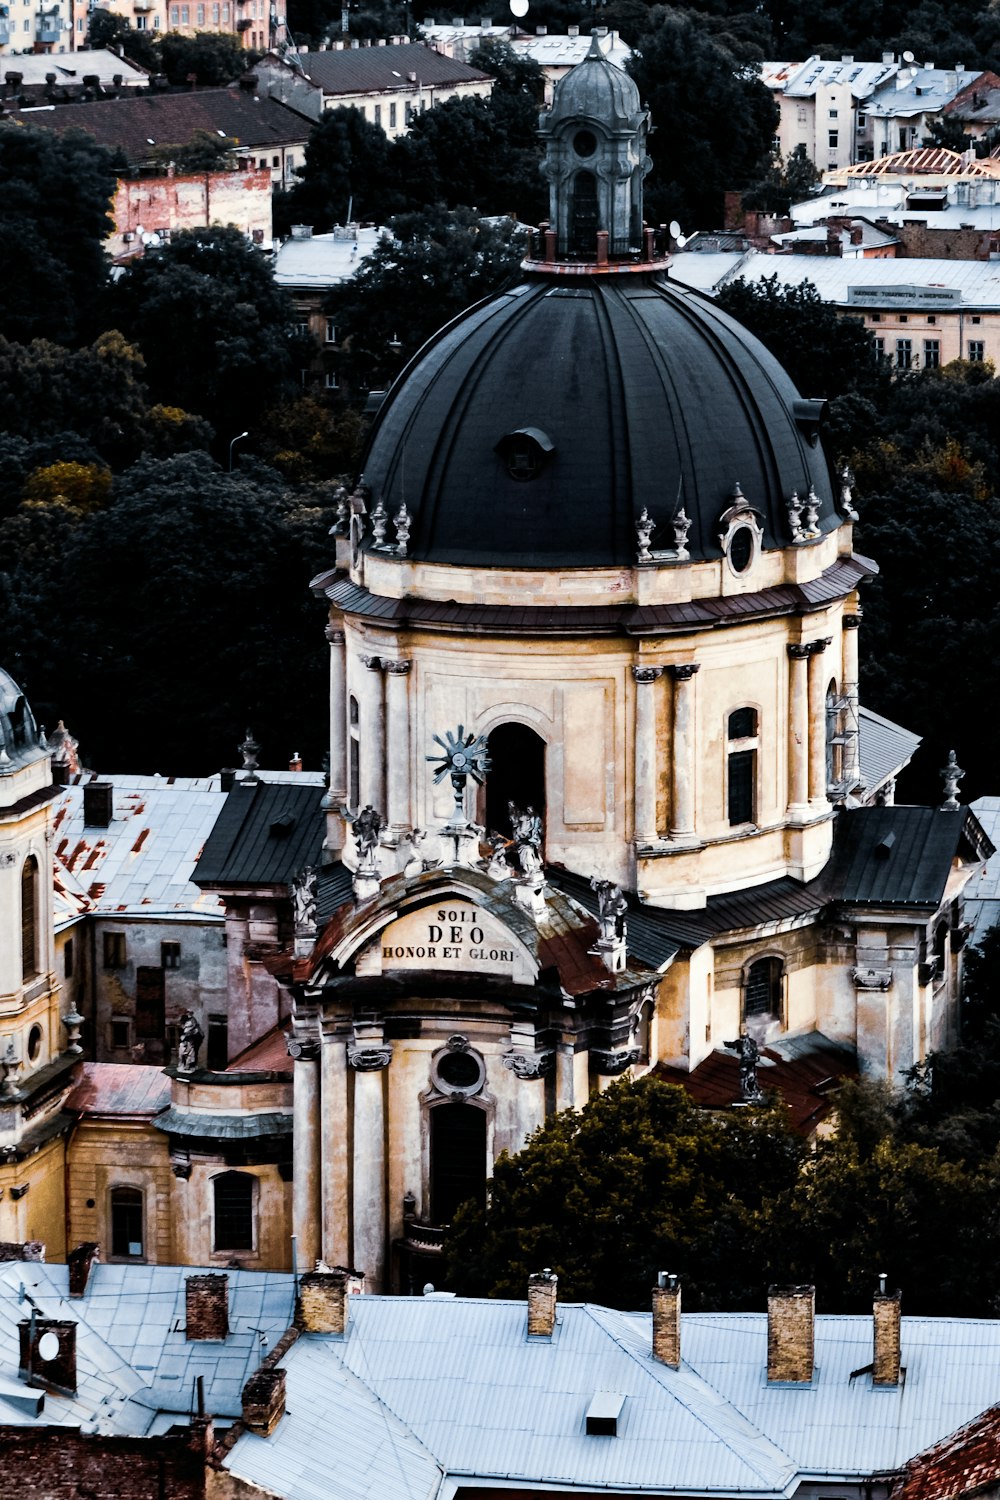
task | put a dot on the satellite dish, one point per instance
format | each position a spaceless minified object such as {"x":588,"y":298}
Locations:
{"x":907,"y":57}
{"x":675,"y":230}
{"x":48,"y":1346}
{"x":519,"y":8}
{"x":680,"y":240}
{"x":151,"y":240}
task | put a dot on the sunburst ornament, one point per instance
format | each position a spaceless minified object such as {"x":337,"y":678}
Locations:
{"x":461,"y":756}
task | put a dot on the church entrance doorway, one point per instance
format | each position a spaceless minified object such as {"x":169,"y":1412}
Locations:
{"x":517,"y":774}
{"x":458,"y":1159}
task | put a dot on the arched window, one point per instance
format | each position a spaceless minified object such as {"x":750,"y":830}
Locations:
{"x":458,"y":1158}
{"x":517,"y":774}
{"x":234,"y":1215}
{"x":29,"y":918}
{"x":741,"y":766}
{"x":126,"y":1223}
{"x":762,"y":990}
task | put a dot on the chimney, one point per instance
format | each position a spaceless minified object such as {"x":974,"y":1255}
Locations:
{"x":885,"y":1360}
{"x":264,"y":1401}
{"x":323,"y":1296}
{"x":98,"y":797}
{"x":207,"y":1306}
{"x":790,"y":1314}
{"x":81,"y":1262}
{"x":295,"y":764}
{"x":48,"y":1354}
{"x":542,"y":1304}
{"x":667,"y":1320}
{"x":572,"y":31}
{"x":541,"y":31}
{"x":227,"y":779}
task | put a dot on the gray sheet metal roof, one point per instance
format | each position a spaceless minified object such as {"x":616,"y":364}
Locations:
{"x":265,"y":835}
{"x":895,"y":856}
{"x":982,"y":895}
{"x":363,"y":70}
{"x":885,"y":747}
{"x":225,"y":1127}
{"x":133,"y":1360}
{"x":466,"y":1386}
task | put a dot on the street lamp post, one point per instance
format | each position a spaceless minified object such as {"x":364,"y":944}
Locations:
{"x":237,"y":439}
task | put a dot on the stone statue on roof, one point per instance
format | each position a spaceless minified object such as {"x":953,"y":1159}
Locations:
{"x":191,"y":1039}
{"x":526,"y":827}
{"x":749,"y":1055}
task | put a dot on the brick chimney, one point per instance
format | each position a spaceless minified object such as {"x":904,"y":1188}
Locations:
{"x":790,"y":1323}
{"x":264,"y":1401}
{"x":542,"y":1304}
{"x":323,"y":1298}
{"x":48,"y":1354}
{"x":885,"y":1356}
{"x":207,"y":1306}
{"x":98,"y":803}
{"x":81,"y":1262}
{"x":667,"y":1320}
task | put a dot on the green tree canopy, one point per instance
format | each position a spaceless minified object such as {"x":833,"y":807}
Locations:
{"x":106,"y":28}
{"x":56,"y":192}
{"x":212,"y":58}
{"x":214,"y":327}
{"x":346,"y":175}
{"x":435,"y":266}
{"x":640,"y":1180}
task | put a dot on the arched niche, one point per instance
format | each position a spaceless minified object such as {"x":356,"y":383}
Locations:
{"x":517,"y":774}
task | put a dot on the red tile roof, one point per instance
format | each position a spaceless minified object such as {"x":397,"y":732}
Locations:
{"x":967,"y":1460}
{"x":805,"y":1082}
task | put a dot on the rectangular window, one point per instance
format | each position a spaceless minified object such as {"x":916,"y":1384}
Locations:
{"x":114,"y":950}
{"x":170,"y":955}
{"x":834,"y":139}
{"x":156,"y":23}
{"x":833,"y":114}
{"x":880,"y":348}
{"x":408,"y":112}
{"x":175,"y":15}
{"x":275,"y":163}
{"x":932,"y":354}
{"x":378,"y":114}
{"x":932,"y":318}
{"x":331,"y":331}
{"x":79,"y":23}
{"x":977,"y":351}
{"x":216,"y":13}
{"x":332,"y":380}
{"x":975,"y":319}
{"x":742,"y":765}
{"x":200,"y":14}
{"x":150,"y":1004}
{"x":225,"y":15}
{"x":876,"y":317}
{"x":126,"y":1223}
{"x":141,"y":23}
{"x":217,"y":1054}
{"x":121,"y":1034}
{"x":392,"y":113}
{"x":68,"y":959}
{"x":801,"y":114}
{"x":904,"y":354}
{"x":185,"y":15}
{"x":862,"y":121}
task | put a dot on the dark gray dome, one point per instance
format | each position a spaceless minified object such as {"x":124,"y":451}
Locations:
{"x":596,"y":90}
{"x":532,"y":430}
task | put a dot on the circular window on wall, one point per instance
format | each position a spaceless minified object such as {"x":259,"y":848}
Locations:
{"x":742,"y":545}
{"x":457,"y":1070}
{"x":34,"y":1043}
{"x":585,"y":143}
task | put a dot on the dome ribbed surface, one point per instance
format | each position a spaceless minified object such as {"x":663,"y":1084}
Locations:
{"x":596,"y":90}
{"x":650,"y":395}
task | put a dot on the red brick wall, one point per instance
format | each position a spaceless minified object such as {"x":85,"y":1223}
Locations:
{"x":57,"y":1463}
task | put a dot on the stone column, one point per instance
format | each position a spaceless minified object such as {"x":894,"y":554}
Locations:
{"x":369,"y":1219}
{"x":336,"y":796}
{"x":817,"y":722}
{"x":306,"y":1218}
{"x":334,"y":1140}
{"x":683,"y":761}
{"x":645,"y":753}
{"x":398,"y":744}
{"x":371,"y":711}
{"x":849,"y":692}
{"x":798,"y":729}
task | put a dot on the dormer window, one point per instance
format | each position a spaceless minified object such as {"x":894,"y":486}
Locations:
{"x":525,"y":452}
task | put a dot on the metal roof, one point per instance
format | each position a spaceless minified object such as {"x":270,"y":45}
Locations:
{"x":366,"y":70}
{"x":977,"y":281}
{"x":982,"y":894}
{"x":471,"y":1392}
{"x":895,"y":856}
{"x":266,"y":834}
{"x":134,"y":1362}
{"x":885,"y":748}
{"x":73,"y":67}
{"x":323,"y":260}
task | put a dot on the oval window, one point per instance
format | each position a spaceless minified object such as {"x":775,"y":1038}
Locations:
{"x":34,"y":1043}
{"x":460,"y":1070}
{"x":741,"y":549}
{"x":585,"y":143}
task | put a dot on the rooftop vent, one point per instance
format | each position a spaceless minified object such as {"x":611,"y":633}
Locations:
{"x":884,"y":846}
{"x":282,"y":827}
{"x":603,"y":1414}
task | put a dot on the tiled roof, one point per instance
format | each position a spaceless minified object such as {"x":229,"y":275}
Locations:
{"x":120,"y":1089}
{"x":267,"y":1055}
{"x":803,"y":1070}
{"x":965,"y":1462}
{"x":266,"y":834}
{"x":365,"y":70}
{"x":139,"y":124}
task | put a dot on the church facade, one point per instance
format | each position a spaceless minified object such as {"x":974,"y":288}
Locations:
{"x":602,"y":797}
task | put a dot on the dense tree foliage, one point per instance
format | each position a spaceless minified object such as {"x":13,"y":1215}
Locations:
{"x":107,"y":28}
{"x":346,"y":175}
{"x":56,"y":193}
{"x":214,"y":327}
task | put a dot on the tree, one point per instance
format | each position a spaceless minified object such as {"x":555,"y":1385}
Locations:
{"x":237,"y":353}
{"x":786,"y":182}
{"x":56,"y":192}
{"x":204,"y":152}
{"x":211,"y":58}
{"x":639,"y":1180}
{"x":715,"y":119}
{"x":435,"y":266}
{"x":345,"y":174}
{"x":107,"y":29}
